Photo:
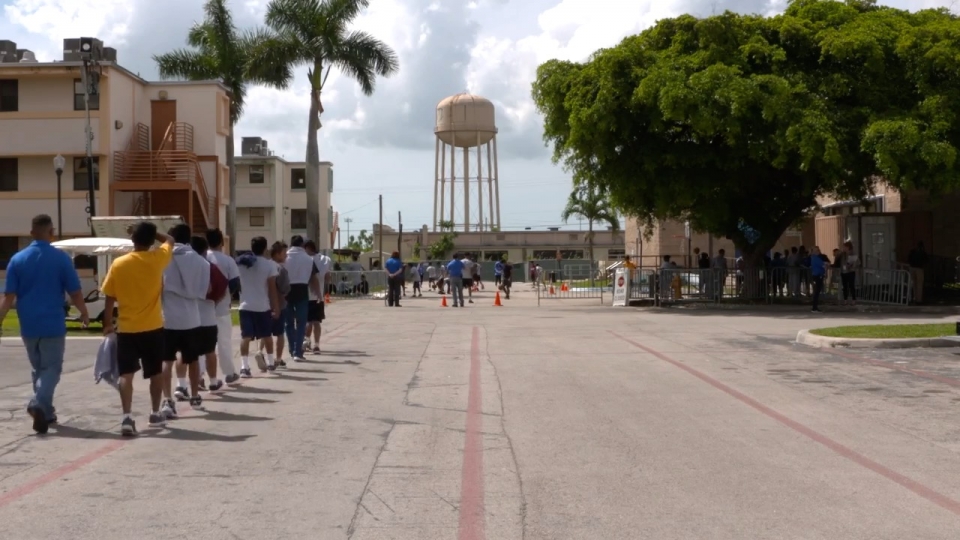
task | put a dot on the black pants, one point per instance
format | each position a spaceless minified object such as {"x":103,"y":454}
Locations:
{"x":817,"y":289}
{"x":394,"y":286}
{"x":849,"y":282}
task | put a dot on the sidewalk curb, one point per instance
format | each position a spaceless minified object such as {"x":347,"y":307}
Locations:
{"x":805,"y":337}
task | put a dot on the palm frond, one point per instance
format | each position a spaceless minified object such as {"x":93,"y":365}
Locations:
{"x":198,"y":36}
{"x":269,"y":57}
{"x":338,"y":14}
{"x":186,"y":64}
{"x":363,"y":57}
{"x":302,"y":18}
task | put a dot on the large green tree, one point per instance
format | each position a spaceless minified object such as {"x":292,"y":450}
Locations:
{"x":316,"y":34}
{"x":219,"y":51}
{"x":591,"y":204}
{"x":739,"y":122}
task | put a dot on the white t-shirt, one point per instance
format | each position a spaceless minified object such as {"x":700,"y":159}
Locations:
{"x":414,"y":273}
{"x":355,"y":268}
{"x":431,"y":272}
{"x":323,"y":264}
{"x":468,"y":267}
{"x":228,"y":266}
{"x":253,"y":284}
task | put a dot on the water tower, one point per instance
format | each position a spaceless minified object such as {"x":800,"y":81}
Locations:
{"x":465,"y":189}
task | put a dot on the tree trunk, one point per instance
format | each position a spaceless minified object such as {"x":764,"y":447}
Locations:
{"x":590,"y":247}
{"x":231,"y":224}
{"x":313,"y":159}
{"x":753,"y":284}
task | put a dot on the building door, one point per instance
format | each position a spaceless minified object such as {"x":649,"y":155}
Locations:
{"x":162,"y":114}
{"x":879,"y":242}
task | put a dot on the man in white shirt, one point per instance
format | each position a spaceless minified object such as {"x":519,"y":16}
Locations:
{"x":432,"y":276}
{"x":316,"y":313}
{"x":468,"y":267}
{"x":259,"y":303}
{"x":228,"y":267}
{"x":415,"y":278}
{"x":303,"y":278}
{"x":207,"y":336}
{"x":355,"y":269}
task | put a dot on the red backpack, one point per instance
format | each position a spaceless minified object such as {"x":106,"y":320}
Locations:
{"x":218,"y":284}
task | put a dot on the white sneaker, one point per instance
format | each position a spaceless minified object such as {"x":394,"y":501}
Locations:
{"x":261,"y":362}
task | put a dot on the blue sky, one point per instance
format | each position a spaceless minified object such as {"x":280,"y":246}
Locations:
{"x":384,"y":144}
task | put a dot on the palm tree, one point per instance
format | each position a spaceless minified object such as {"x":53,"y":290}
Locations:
{"x":220,"y":52}
{"x":315,"y":33}
{"x":593,"y":206}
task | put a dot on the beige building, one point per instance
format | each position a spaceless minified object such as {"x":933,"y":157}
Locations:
{"x":272,"y":196}
{"x":158,"y":147}
{"x":518,"y":246}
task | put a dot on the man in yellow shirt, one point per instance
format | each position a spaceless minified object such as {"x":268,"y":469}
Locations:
{"x":135,"y":284}
{"x":628,"y":263}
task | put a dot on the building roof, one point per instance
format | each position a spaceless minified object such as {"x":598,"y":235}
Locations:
{"x":113,"y":65}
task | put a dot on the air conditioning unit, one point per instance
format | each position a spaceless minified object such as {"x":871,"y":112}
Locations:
{"x":27,"y":57}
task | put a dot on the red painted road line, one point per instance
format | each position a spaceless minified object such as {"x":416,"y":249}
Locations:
{"x":471,"y":483}
{"x":935,"y":497}
{"x":57,"y":474}
{"x":949,"y":381}
{"x":109,"y":448}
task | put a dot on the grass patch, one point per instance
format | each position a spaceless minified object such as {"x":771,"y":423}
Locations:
{"x":11,"y":327}
{"x":889,"y":331}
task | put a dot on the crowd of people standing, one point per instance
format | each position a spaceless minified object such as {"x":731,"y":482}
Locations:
{"x":173,"y":298}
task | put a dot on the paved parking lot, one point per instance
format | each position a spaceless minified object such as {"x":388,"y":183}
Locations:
{"x":568,"y":421}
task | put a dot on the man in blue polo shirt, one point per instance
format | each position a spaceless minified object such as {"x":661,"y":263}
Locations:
{"x":37,"y":278}
{"x":455,"y":271}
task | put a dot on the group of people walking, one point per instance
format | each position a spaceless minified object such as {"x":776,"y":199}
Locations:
{"x":173,"y":313}
{"x":461,"y":272}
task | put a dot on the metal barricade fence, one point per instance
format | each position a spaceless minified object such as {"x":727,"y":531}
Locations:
{"x":771,"y":285}
{"x":366,"y":284}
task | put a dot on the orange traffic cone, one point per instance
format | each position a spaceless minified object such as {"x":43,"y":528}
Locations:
{"x":552,"y":291}
{"x":326,"y":298}
{"x":564,"y":288}
{"x":496,"y":300}
{"x":443,"y":301}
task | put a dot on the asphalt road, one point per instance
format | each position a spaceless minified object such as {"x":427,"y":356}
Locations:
{"x":567,"y":421}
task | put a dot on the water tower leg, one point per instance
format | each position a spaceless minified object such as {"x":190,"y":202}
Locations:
{"x":466,"y":190}
{"x":437,"y":190}
{"x":490,"y":188}
{"x":479,"y":182}
{"x":453,"y":177}
{"x":496,"y":178}
{"x":442,"y":195}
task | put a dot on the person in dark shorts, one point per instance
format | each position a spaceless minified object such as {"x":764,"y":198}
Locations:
{"x":278,"y":254}
{"x":207,"y":338}
{"x":186,"y":282}
{"x":134,"y":285}
{"x":507,"y":278}
{"x":259,"y":302}
{"x":316,"y":311}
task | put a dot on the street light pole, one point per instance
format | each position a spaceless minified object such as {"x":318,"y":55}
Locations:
{"x":89,"y":62}
{"x":58,"y":163}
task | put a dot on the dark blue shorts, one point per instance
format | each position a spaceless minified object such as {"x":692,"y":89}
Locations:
{"x":277,"y":325}
{"x":256,"y":324}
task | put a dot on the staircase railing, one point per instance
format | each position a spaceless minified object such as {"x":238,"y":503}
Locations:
{"x":169,"y":166}
{"x":139,"y":142}
{"x":178,"y":136}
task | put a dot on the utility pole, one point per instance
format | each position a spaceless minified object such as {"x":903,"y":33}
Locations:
{"x":90,"y":79}
{"x":380,"y":246}
{"x":349,"y":238}
{"x":400,"y":236}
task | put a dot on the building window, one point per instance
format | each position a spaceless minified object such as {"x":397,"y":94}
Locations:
{"x":9,"y":245}
{"x":298,"y":179}
{"x":80,"y":174}
{"x":8,"y":174}
{"x":615,"y":254}
{"x":494,"y":255}
{"x":258,"y":217}
{"x":330,"y":180}
{"x":256,"y":174}
{"x":9,"y":92}
{"x":298,"y":219}
{"x":78,"y":104}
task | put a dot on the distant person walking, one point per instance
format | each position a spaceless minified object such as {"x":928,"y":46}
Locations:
{"x":395,"y":268}
{"x":455,"y":273}
{"x":818,"y":271}
{"x":848,"y":273}
{"x":38,"y":276}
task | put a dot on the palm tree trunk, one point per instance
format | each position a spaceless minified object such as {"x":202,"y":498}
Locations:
{"x":313,"y":161}
{"x":232,"y":189}
{"x":590,"y":247}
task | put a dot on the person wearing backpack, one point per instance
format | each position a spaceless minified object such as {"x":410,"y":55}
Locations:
{"x":207,"y":335}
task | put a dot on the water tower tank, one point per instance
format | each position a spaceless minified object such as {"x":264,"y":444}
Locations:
{"x":465,"y":121}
